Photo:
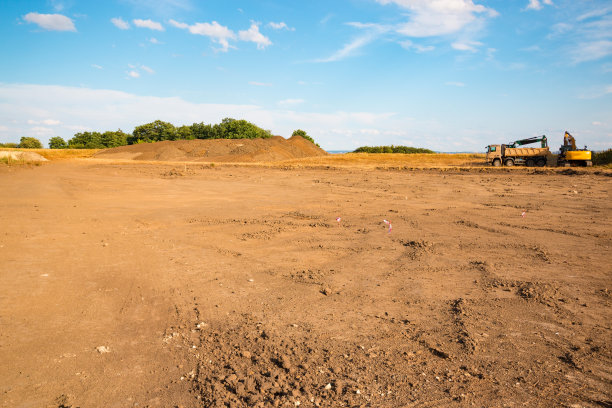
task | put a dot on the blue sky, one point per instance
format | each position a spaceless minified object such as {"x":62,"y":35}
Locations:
{"x":450,"y":75}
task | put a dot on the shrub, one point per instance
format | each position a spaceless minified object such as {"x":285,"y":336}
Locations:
{"x":30,"y":143}
{"x":602,"y":158}
{"x":300,"y":132}
{"x":392,"y":149}
{"x":153,"y":132}
{"x":9,"y":145}
{"x":57,"y":142}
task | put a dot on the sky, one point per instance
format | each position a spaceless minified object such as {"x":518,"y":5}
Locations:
{"x":449,"y":75}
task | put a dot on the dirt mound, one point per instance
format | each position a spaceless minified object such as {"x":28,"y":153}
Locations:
{"x":220,"y":150}
{"x":23,"y":156}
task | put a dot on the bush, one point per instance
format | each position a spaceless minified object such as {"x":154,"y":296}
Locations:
{"x":30,"y":143}
{"x":57,"y":143}
{"x":9,"y":145}
{"x":602,"y":158}
{"x":392,"y":149}
{"x":300,"y":132}
{"x":153,"y":132}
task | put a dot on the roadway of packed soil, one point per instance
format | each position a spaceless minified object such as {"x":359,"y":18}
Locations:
{"x":150,"y":285}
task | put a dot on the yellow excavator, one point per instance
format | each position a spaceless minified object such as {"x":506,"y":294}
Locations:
{"x":572,"y":156}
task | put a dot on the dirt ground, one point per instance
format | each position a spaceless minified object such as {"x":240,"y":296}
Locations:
{"x":151,"y":285}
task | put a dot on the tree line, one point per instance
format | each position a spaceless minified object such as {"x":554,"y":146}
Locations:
{"x":392,"y":149}
{"x":156,"y":131}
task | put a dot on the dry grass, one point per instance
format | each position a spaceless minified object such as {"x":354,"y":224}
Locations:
{"x":394,"y":159}
{"x":59,"y":154}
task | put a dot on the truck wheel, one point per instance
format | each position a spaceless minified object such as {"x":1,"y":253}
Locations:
{"x":496,"y":163}
{"x":541,"y":163}
{"x":509,"y":163}
{"x":529,"y":163}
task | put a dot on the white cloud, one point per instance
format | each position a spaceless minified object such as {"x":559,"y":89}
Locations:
{"x":290,"y":102}
{"x":253,"y":35}
{"x":96,"y":66}
{"x":154,"y":40}
{"x":440,"y":17}
{"x":52,"y":22}
{"x":177,"y":24}
{"x":150,"y":24}
{"x":147,"y":69}
{"x":82,"y":109}
{"x":133,"y":74}
{"x":457,"y":84}
{"x":536,"y":5}
{"x":471,"y":46}
{"x":215,"y":31}
{"x":255,"y":83}
{"x":120,"y":23}
{"x":280,"y":26}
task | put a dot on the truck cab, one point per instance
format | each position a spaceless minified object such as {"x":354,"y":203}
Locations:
{"x":494,"y":155}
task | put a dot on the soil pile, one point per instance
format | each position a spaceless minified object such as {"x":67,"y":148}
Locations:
{"x":219,"y":150}
{"x":22,"y":156}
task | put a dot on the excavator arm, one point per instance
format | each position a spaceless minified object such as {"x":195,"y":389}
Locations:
{"x":569,"y":141}
{"x":530,"y":140}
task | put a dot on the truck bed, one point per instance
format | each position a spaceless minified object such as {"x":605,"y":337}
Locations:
{"x":526,"y":151}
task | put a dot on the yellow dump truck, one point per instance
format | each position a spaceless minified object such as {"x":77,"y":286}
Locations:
{"x":512,"y":154}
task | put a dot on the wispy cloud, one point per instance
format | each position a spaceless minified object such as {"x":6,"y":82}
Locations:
{"x":150,"y":24}
{"x":133,"y":74}
{"x":471,"y":46}
{"x":280,"y":26}
{"x":409,"y":45}
{"x":96,"y":66}
{"x":454,"y":83}
{"x":147,"y":69}
{"x":536,"y":5}
{"x":51,"y":22}
{"x":255,"y":83}
{"x":120,"y":23}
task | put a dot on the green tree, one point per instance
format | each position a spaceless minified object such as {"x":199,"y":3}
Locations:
{"x":29,"y":143}
{"x":202,"y":131}
{"x":153,"y":132}
{"x":300,"y":132}
{"x":239,"y":129}
{"x":185,"y":133}
{"x":86,"y":140}
{"x":57,"y":142}
{"x":113,"y":139}
{"x":9,"y":144}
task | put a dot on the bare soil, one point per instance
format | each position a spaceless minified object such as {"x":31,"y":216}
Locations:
{"x":139,"y":285}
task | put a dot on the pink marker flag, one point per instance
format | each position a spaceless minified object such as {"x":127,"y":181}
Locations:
{"x":523,"y":214}
{"x":338,"y":219}
{"x":389,"y":224}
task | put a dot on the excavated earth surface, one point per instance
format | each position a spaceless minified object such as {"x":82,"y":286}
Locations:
{"x":147,"y":285}
{"x":217,"y":150}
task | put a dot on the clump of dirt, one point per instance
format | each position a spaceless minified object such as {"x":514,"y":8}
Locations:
{"x":256,"y":366}
{"x":275,"y":148}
